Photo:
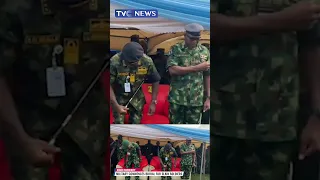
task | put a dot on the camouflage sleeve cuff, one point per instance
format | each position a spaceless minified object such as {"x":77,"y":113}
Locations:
{"x":171,"y":62}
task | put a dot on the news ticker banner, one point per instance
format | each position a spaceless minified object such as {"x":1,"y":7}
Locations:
{"x":135,"y":172}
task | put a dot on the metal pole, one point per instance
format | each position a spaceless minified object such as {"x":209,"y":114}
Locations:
{"x":83,"y":97}
{"x":202,"y":157}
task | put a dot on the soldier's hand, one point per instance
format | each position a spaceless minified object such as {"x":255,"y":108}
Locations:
{"x":38,"y":152}
{"x":206,"y":105}
{"x":152,"y":109}
{"x":205,"y":66}
{"x":300,"y":16}
{"x":122,"y":109}
{"x":310,"y":138}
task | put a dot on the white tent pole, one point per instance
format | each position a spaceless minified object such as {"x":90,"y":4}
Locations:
{"x":202,"y":155}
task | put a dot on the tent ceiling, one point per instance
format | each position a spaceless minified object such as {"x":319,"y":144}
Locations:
{"x":173,"y":14}
{"x":146,"y":132}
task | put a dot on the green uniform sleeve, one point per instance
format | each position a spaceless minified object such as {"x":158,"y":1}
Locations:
{"x":174,"y":151}
{"x":153,"y":75}
{"x":113,"y":69}
{"x":9,"y":41}
{"x":173,"y":59}
{"x":161,"y":152}
{"x":182,"y":149}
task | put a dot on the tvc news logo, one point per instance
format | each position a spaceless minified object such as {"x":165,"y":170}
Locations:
{"x":136,"y":13}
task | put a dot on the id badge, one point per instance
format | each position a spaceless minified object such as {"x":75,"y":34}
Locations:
{"x":56,"y":86}
{"x":166,"y":158}
{"x":127,"y":87}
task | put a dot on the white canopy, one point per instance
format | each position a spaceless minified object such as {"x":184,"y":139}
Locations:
{"x":142,"y":133}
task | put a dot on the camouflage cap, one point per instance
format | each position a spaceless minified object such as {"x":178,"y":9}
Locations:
{"x":132,"y":52}
{"x":125,"y":144}
{"x":193,"y":30}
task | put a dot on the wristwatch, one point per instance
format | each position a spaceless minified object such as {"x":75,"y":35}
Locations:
{"x":316,"y":112}
{"x":154,"y":101}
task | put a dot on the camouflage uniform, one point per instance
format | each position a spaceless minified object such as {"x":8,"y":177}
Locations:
{"x":186,"y":92}
{"x":133,"y":158}
{"x":29,"y":31}
{"x":119,"y":72}
{"x":186,"y":160}
{"x":255,"y":103}
{"x":120,"y":153}
{"x":166,"y":159}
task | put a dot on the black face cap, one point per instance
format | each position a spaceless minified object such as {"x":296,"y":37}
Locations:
{"x":132,"y":52}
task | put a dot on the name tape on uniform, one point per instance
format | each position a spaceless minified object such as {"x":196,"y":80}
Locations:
{"x":99,"y":25}
{"x":42,"y":39}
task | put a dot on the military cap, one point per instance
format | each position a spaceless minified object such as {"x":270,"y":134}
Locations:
{"x":193,"y":30}
{"x":188,"y":139}
{"x":132,"y":52}
{"x":125,"y":144}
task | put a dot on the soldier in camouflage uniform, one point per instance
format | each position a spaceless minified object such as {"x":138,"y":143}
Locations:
{"x":188,"y":158}
{"x":165,"y":155}
{"x":128,"y":69}
{"x":120,"y":153}
{"x":132,"y":155}
{"x":188,"y":65}
{"x":256,"y":86}
{"x":53,"y":50}
{"x":117,"y":146}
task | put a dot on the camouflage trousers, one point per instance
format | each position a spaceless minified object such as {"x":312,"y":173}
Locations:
{"x":236,"y":159}
{"x":135,"y":161}
{"x":187,"y":169}
{"x":179,"y":114}
{"x":75,"y":165}
{"x":168,"y":168}
{"x":134,"y":116}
